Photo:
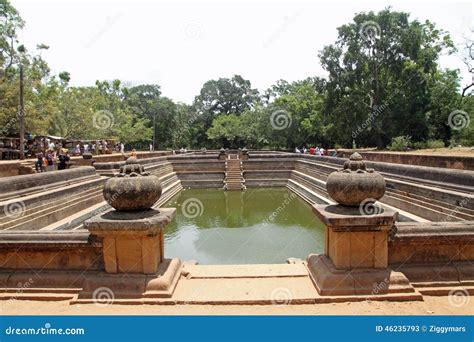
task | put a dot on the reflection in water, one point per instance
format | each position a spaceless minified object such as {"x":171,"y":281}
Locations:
{"x":259,"y":225}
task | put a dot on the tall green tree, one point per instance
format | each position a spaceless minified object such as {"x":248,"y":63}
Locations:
{"x":222,"y":97}
{"x":378,"y":70}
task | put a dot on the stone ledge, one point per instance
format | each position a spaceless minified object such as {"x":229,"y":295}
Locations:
{"x":147,"y":222}
{"x":351,"y":219}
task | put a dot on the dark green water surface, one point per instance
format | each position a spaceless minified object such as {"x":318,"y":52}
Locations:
{"x":259,"y":225}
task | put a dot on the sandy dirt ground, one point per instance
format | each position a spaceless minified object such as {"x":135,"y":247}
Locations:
{"x":430,"y":306}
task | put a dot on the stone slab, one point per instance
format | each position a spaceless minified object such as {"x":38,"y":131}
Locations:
{"x":294,"y":290}
{"x":245,"y":271}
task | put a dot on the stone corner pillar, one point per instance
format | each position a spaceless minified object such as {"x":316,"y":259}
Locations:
{"x":133,"y":242}
{"x":355,"y":241}
{"x":355,"y":260}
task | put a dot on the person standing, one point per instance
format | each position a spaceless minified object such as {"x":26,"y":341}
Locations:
{"x":63,"y":160}
{"x":52,"y":146}
{"x":39,"y":164}
{"x":50,"y":161}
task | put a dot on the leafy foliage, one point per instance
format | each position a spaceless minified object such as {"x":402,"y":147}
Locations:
{"x":384,"y":84}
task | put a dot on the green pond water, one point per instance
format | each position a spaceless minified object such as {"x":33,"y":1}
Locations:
{"x":259,"y":225}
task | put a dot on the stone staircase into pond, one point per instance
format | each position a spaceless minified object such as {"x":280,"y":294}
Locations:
{"x":234,"y":179}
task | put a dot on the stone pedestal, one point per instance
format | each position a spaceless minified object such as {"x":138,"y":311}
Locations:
{"x":354,"y":240}
{"x":356,"y":255}
{"x":133,"y":252}
{"x":245,"y":154}
{"x":132,"y":241}
{"x":222,"y":154}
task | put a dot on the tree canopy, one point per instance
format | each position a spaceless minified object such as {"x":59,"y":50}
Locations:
{"x":383,"y":81}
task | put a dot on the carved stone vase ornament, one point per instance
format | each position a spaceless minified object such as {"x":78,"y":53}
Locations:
{"x":133,"y":188}
{"x":355,"y":183}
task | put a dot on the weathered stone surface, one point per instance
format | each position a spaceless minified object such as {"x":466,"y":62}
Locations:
{"x":87,"y":155}
{"x":432,"y":242}
{"x":440,"y":161}
{"x":353,"y":240}
{"x":17,"y":183}
{"x":148,"y":222}
{"x":341,"y":218}
{"x":49,"y":250}
{"x":9,"y":168}
{"x":331,"y":281}
{"x":354,"y":183}
{"x":133,"y":189}
{"x":132,"y":241}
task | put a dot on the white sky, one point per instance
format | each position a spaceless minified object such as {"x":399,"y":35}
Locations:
{"x":182,"y":44}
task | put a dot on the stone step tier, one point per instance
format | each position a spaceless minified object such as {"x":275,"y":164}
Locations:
{"x":234,"y":179}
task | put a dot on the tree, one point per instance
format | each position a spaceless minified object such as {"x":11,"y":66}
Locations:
{"x":378,"y":70}
{"x":301,"y":102}
{"x":444,"y":99}
{"x":468,"y":58}
{"x":226,"y":96}
{"x":10,"y":24}
{"x":226,"y":130}
{"x":222,"y":97}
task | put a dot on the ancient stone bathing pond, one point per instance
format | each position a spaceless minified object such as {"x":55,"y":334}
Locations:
{"x":259,"y":225}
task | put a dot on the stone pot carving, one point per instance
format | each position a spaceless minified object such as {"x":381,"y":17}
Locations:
{"x":133,"y":188}
{"x":355,"y":183}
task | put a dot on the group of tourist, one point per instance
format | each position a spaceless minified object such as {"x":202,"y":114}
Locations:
{"x":318,"y":151}
{"x":98,"y":147}
{"x":47,"y":161}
